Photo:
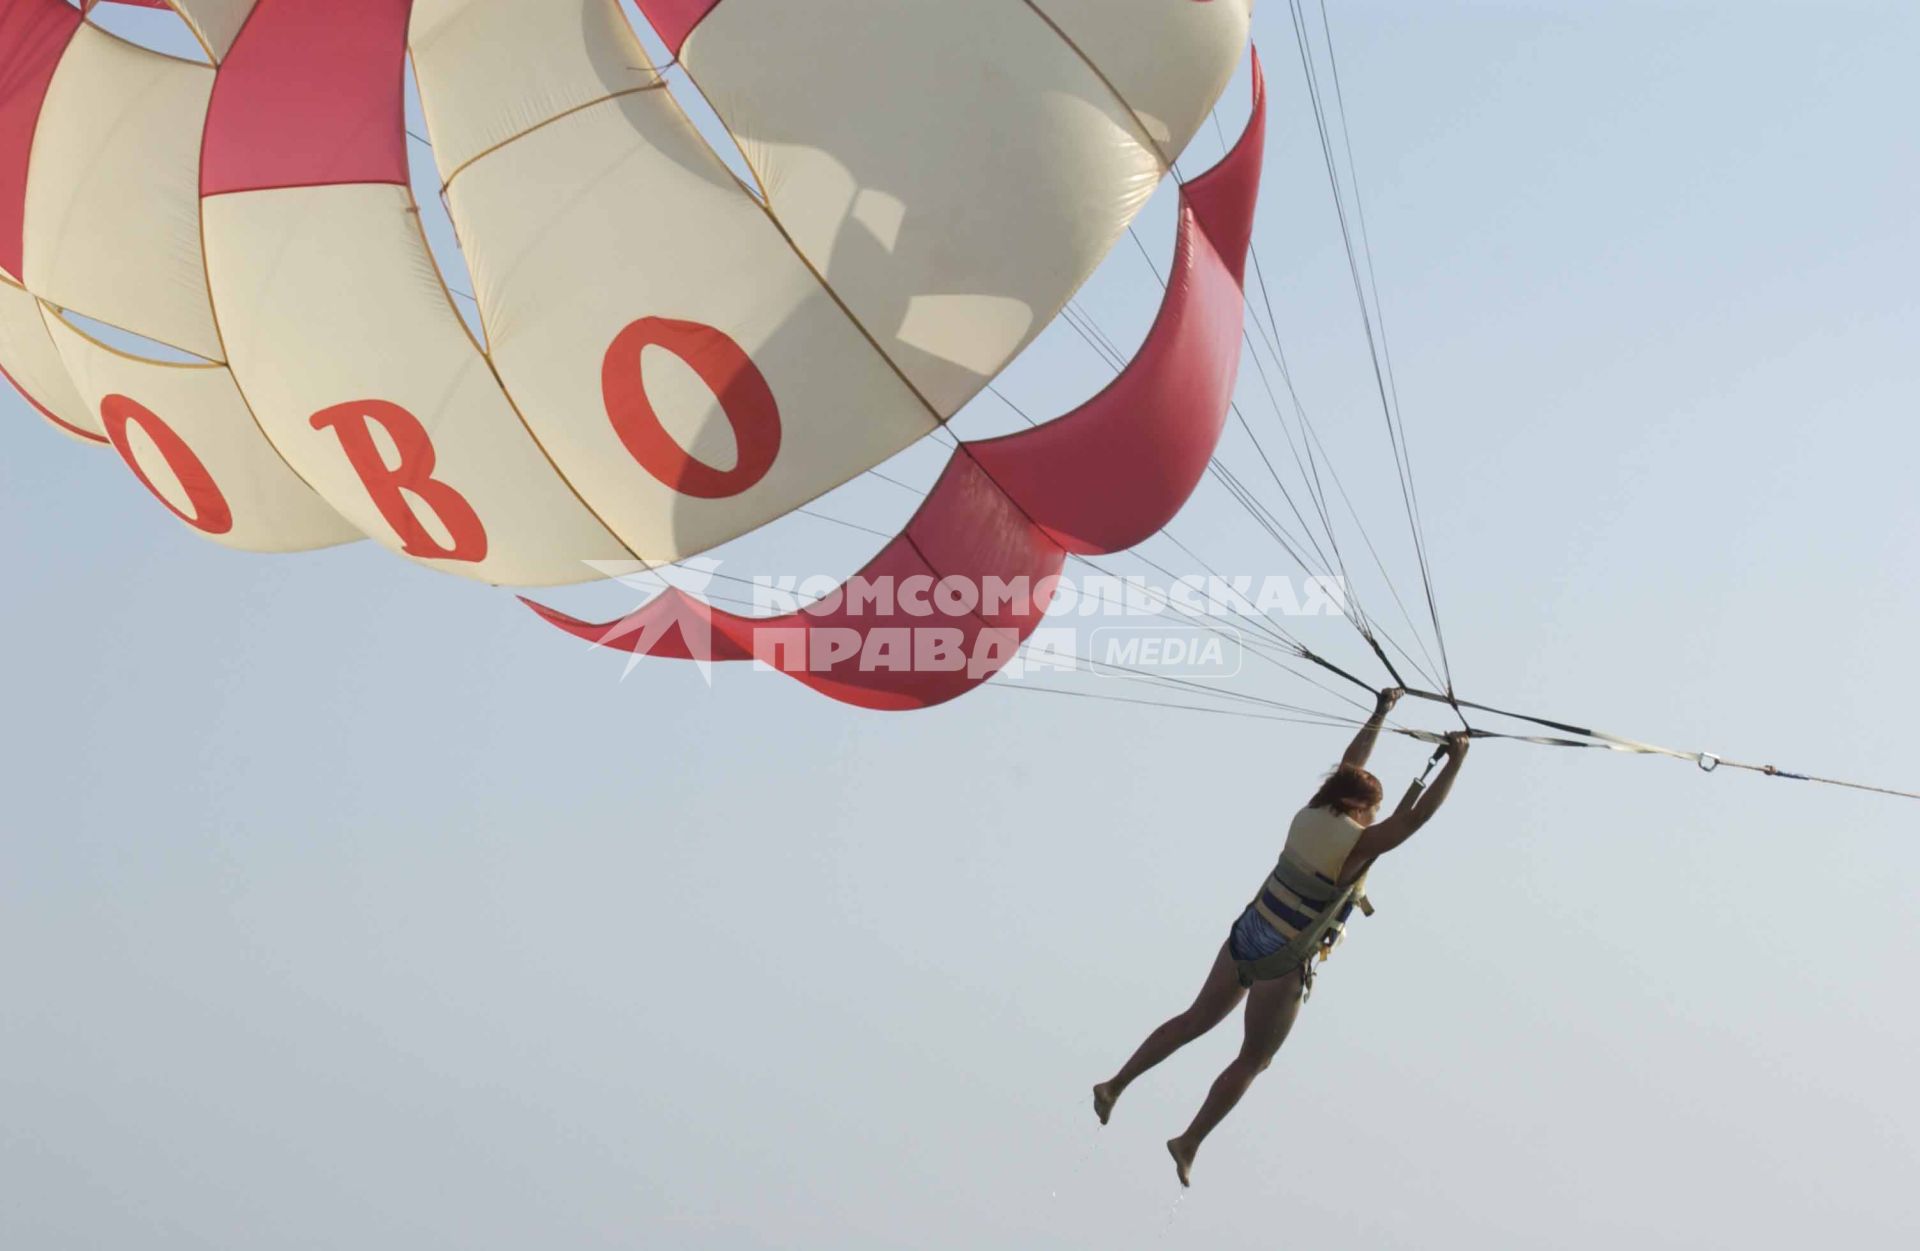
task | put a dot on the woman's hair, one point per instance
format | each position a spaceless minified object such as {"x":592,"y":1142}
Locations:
{"x":1349,"y":790}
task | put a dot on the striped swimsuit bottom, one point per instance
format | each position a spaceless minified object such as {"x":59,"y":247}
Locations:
{"x":1251,"y":938}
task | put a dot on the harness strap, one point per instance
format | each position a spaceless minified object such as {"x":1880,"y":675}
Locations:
{"x":1311,"y":887}
{"x":1297,"y":955}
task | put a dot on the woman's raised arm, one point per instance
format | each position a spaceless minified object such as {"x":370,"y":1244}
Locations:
{"x":1362,"y":746}
{"x":1414,"y":811}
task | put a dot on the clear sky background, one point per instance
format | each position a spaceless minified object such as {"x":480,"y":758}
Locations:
{"x":346,"y":905}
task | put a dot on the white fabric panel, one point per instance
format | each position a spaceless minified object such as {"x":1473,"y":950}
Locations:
{"x":499,"y":68}
{"x":1169,"y":62}
{"x":30,"y":359}
{"x":637,"y":218}
{"x":272,"y":510}
{"x":113,"y":197}
{"x":215,"y":22}
{"x":955,"y":170}
{"x":329,"y":296}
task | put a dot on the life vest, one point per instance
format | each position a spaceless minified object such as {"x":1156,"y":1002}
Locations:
{"x":1302,"y":900}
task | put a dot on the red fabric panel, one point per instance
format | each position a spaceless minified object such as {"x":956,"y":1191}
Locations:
{"x":978,"y":533}
{"x":46,"y":412}
{"x":1114,"y":471}
{"x":1225,"y":196}
{"x":844,"y":680}
{"x":1102,"y":478}
{"x":672,"y":625}
{"x":966,"y":528}
{"x":312,"y":94}
{"x":674,"y":20}
{"x":33,"y":36}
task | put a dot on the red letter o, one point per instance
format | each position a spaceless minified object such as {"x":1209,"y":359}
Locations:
{"x":745,"y":399}
{"x":211,"y":513}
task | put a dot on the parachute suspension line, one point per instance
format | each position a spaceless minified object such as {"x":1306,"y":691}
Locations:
{"x":1251,"y":613}
{"x":1349,"y":603}
{"x":1298,"y":715}
{"x":1310,"y":440}
{"x":1337,"y":563}
{"x":1274,"y":708}
{"x":1156,"y":703}
{"x":839,"y":521}
{"x":1102,"y":345}
{"x":1264,"y":517}
{"x":1394,"y":433}
{"x":1258,"y":622}
{"x":1250,"y":502}
{"x":1366,"y":247}
{"x":1261,"y":513}
{"x":904,"y":486}
{"x":1386,"y":354}
{"x":1213,"y":467}
{"x":960,"y":447}
{"x":1395,"y":430}
{"x":1018,"y":411}
{"x":1262,"y":624}
{"x":1168,"y":682}
{"x":1271,"y":636}
{"x":1147,"y":256}
{"x":1311,"y":437}
{"x":1122,"y":672}
{"x":1108,"y":668}
{"x":1360,"y":620}
{"x":1254,"y":621}
{"x":1309,"y":469}
{"x":1097,"y":339}
{"x":1374,"y":356}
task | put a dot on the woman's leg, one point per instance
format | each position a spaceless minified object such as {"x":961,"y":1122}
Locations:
{"x":1271,"y":1010}
{"x":1217,"y":997}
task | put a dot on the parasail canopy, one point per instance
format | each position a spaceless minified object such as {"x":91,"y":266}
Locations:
{"x":672,"y":358}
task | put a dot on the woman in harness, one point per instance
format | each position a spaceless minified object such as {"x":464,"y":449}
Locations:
{"x":1330,"y":845}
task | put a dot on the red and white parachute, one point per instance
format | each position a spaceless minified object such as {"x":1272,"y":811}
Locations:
{"x":936,"y":180}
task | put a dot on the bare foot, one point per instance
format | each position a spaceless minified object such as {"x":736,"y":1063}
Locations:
{"x":1103,"y":1096}
{"x":1182,"y":1158}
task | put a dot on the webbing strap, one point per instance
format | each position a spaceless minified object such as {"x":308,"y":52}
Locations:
{"x":1302,"y":946}
{"x":1614,"y":742}
{"x":1301,"y":880}
{"x":1591,"y":738}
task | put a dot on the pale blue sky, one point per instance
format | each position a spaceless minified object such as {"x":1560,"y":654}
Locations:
{"x":346,"y":905}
